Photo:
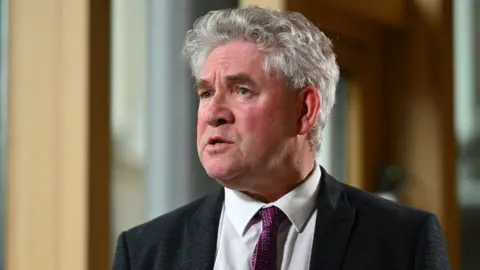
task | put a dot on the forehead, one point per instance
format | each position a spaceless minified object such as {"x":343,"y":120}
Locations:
{"x":233,"y":58}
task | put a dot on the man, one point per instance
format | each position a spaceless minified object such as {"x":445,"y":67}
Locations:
{"x":266,"y":82}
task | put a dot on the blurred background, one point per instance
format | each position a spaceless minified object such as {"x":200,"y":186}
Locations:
{"x":98,"y":117}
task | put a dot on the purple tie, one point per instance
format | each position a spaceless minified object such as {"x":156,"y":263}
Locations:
{"x":265,"y":253}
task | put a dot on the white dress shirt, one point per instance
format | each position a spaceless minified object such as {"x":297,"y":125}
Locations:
{"x":238,"y":232}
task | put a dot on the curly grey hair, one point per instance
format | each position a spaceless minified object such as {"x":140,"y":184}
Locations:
{"x":293,"y":46}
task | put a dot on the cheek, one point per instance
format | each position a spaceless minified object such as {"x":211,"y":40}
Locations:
{"x":258,"y":121}
{"x":201,"y":127}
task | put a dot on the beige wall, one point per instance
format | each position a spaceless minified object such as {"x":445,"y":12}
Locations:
{"x":57,"y":163}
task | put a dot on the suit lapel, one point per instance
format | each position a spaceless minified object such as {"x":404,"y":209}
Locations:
{"x":201,"y":233}
{"x":335,"y":217}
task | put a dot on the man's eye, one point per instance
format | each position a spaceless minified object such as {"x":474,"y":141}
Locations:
{"x":243,"y":91}
{"x":206,"y":94}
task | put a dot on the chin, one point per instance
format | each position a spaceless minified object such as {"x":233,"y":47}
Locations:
{"x":218,"y":171}
{"x":221,"y":170}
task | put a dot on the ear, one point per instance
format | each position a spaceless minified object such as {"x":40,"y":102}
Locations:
{"x":309,"y":101}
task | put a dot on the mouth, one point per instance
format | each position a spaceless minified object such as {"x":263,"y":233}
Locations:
{"x":218,"y":140}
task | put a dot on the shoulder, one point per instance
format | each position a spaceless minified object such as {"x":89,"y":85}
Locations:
{"x":391,"y":229}
{"x":164,"y":227}
{"x":161,"y":241}
{"x":377,"y":212}
{"x":364,"y":201}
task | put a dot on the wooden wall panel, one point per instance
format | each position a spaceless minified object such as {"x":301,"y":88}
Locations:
{"x":58,"y":139}
{"x":392,"y":12}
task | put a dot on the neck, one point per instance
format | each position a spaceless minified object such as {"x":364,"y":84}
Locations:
{"x":281,"y":179}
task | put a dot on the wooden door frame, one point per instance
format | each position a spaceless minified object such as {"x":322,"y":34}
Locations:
{"x":401,"y":103}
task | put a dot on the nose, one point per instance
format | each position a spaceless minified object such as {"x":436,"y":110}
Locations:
{"x":217,"y":113}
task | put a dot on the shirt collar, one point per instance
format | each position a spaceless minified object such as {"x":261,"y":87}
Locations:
{"x":298,"y":204}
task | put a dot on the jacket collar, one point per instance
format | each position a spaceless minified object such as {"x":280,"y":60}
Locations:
{"x":335,"y":217}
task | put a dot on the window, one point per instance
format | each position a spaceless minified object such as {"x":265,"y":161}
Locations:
{"x":333,"y":153}
{"x":467,"y":125}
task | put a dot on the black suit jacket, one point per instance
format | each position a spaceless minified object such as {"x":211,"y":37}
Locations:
{"x":354,"y":230}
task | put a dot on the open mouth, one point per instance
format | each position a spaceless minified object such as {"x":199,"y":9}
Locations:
{"x":217,"y":140}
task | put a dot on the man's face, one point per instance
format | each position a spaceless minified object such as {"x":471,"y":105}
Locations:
{"x":246,"y":117}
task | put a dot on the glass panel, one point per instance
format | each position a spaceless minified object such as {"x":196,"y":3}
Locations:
{"x":467,"y":126}
{"x":333,"y":153}
{"x":129,"y":202}
{"x":155,"y":164}
{"x":3,"y":123}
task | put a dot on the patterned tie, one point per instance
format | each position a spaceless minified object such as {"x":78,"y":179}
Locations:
{"x":265,"y":253}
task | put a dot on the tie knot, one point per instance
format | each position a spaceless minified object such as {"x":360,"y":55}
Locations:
{"x":271,"y":216}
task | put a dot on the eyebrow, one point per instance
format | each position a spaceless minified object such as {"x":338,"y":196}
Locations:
{"x":240,"y":78}
{"x":202,"y":84}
